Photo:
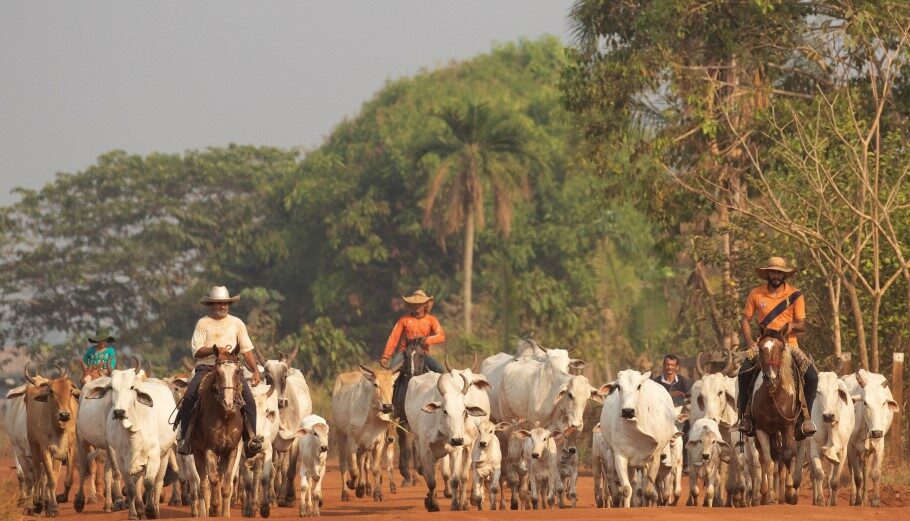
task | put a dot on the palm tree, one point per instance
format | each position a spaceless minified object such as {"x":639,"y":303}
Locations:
{"x":481,"y":151}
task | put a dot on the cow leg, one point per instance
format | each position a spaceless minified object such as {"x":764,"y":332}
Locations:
{"x":109,"y":485}
{"x":376,"y":468}
{"x":817,"y":473}
{"x":344,"y":466}
{"x":876,"y":471}
{"x":306,"y":495}
{"x":289,"y":492}
{"x":82,"y":467}
{"x":246,"y":477}
{"x":428,"y":470}
{"x":264,"y":480}
{"x":621,"y":465}
{"x":390,"y":465}
{"x":834,"y":474}
{"x":477,"y":486}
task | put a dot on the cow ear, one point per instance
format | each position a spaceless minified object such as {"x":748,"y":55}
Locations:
{"x":577,"y":364}
{"x":682,"y":417}
{"x":606,"y":389}
{"x":700,"y":401}
{"x":560,"y":395}
{"x":523,"y":434}
{"x":482,"y":383}
{"x":596,"y":396}
{"x":18,"y":391}
{"x":432,"y":407}
{"x":475,"y":411}
{"x":43,"y":395}
{"x":892,"y":405}
{"x":503,"y":426}
{"x":271,"y":416}
{"x":97,"y":392}
{"x":677,"y":434}
{"x":844,"y":396}
{"x":144,"y":399}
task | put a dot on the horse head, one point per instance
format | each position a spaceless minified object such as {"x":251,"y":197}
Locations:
{"x":228,"y":377}
{"x":414,"y":358}
{"x":774,"y":355}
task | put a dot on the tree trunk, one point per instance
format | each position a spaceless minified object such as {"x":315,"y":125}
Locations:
{"x":876,"y":311}
{"x":834,"y":284}
{"x":858,"y":324}
{"x":468,"y":266}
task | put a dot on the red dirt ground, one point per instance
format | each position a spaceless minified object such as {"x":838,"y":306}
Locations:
{"x":408,"y":504}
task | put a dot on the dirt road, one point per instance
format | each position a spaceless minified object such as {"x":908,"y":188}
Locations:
{"x":407,"y":504}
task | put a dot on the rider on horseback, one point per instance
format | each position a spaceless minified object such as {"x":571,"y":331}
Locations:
{"x":220,"y":329}
{"x":420,"y":326}
{"x":776,"y":304}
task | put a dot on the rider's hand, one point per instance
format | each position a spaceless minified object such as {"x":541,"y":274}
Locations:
{"x":384,"y":362}
{"x":254,"y":381}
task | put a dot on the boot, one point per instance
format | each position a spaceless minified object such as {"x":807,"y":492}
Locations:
{"x":806,"y":428}
{"x":184,"y":447}
{"x":745,"y":425}
{"x":252,"y":444}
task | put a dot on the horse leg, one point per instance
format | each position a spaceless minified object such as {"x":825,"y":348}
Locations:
{"x":767,"y":465}
{"x":405,"y":453}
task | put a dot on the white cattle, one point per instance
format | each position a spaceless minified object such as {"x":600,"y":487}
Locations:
{"x":874,"y":408}
{"x":637,"y":421}
{"x":707,"y":450}
{"x":436,"y":410}
{"x":834,"y":415}
{"x":542,"y":392}
{"x":294,"y":404}
{"x":540,"y":456}
{"x":493,"y":367}
{"x":669,"y":474}
{"x":139,"y":434}
{"x":313,"y":444}
{"x":486,"y":459}
{"x":743,"y":471}
{"x":567,"y":468}
{"x":256,"y":472}
{"x":16,"y":427}
{"x":91,"y":431}
{"x":361,"y":414}
{"x":458,"y":463}
{"x":714,"y":396}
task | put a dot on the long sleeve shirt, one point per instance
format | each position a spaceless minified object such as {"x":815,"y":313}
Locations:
{"x":229,"y":331}
{"x":95,"y":357}
{"x":409,"y":327}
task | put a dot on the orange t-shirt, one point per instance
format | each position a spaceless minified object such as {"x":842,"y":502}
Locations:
{"x":409,"y":327}
{"x":762,"y":301}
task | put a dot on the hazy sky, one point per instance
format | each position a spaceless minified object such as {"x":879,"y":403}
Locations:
{"x":80,"y":78}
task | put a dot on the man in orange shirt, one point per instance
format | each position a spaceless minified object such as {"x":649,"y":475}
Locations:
{"x":419,"y":325}
{"x":775,"y":305}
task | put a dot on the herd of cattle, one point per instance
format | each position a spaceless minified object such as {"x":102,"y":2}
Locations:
{"x":512,"y":427}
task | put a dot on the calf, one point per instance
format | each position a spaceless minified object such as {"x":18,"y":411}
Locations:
{"x":313,"y":444}
{"x":486,"y":458}
{"x":601,"y":464}
{"x":514,"y":473}
{"x":540,"y":457}
{"x":51,"y":408}
{"x":740,"y":478}
{"x":669,"y":475}
{"x":707,"y":450}
{"x":567,"y":468}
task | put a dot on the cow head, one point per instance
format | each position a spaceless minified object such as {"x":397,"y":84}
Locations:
{"x":570,"y":401}
{"x":93,"y":372}
{"x":717,"y":398}
{"x":832,"y":394}
{"x":568,"y":441}
{"x":486,"y":432}
{"x":178,"y":384}
{"x":266,"y":409}
{"x":706,"y":442}
{"x":60,"y":394}
{"x":878,"y":404}
{"x":276,"y":373}
{"x":128,"y":393}
{"x":382,"y":380}
{"x":628,"y":384}
{"x":318,"y":432}
{"x":451,"y":408}
{"x":538,"y":442}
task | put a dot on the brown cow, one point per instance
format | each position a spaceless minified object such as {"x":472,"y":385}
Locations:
{"x":51,"y":408}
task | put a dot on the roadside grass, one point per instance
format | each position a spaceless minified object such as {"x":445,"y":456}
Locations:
{"x":9,"y":511}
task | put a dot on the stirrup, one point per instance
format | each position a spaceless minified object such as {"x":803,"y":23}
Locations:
{"x":746,"y":426}
{"x":808,"y":428}
{"x":253,"y":447}
{"x":184,"y":447}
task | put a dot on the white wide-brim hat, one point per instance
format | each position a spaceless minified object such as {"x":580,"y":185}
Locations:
{"x":219,"y":295}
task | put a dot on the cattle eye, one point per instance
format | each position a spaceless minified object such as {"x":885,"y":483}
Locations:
{"x":570,"y":396}
{"x":639,"y":386}
{"x":375,"y":384}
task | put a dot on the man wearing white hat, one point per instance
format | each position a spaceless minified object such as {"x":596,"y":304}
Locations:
{"x":775,"y":305}
{"x":220,"y":329}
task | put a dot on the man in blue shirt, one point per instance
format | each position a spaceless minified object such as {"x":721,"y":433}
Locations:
{"x":101,"y":350}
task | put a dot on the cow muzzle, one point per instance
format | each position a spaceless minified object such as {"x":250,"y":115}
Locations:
{"x":386,"y":408}
{"x":456,"y":442}
{"x":535,"y":455}
{"x":572,"y":450}
{"x":119,"y":414}
{"x":627,"y":413}
{"x":705,"y":456}
{"x":64,"y":416}
{"x":877,"y":434}
{"x":483,"y":444}
{"x":323,"y":448}
{"x":828,"y":418}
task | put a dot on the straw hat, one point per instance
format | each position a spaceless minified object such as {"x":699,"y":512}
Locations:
{"x":775,"y":264}
{"x":417,"y":298}
{"x":219,"y":295}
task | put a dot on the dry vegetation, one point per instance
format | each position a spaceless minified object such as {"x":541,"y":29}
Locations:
{"x":9,"y":511}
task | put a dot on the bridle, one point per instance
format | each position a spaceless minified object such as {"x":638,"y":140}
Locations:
{"x":219,"y":389}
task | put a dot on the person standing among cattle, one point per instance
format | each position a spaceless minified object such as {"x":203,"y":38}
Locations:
{"x":220,"y":329}
{"x":676,"y":384}
{"x":101,"y":350}
{"x":775,"y":305}
{"x":418,"y":325}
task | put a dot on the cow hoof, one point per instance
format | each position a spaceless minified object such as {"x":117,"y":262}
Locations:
{"x":265,"y":511}
{"x":359,"y":491}
{"x":120,"y":504}
{"x":79,"y":504}
{"x":151,"y":511}
{"x":132,"y":516}
{"x":350,"y":484}
{"x":431,"y":505}
{"x":407,"y":482}
{"x":514,"y":504}
{"x":283,"y":503}
{"x":392,"y":488}
{"x":247,"y":510}
{"x":447,"y":493}
{"x":63,"y":498}
{"x":377,"y":495}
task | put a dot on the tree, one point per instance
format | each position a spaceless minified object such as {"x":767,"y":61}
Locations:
{"x":480,"y":152}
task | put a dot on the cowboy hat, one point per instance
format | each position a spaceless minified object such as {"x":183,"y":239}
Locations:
{"x":101,"y":334}
{"x":775,"y":264}
{"x":417,"y":298}
{"x":219,"y":295}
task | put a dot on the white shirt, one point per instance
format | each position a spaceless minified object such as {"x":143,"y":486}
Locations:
{"x":229,"y":331}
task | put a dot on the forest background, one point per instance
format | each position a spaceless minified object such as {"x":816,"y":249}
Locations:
{"x":612,"y":196}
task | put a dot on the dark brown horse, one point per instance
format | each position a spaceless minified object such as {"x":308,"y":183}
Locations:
{"x":216,"y":431}
{"x":774,"y":410}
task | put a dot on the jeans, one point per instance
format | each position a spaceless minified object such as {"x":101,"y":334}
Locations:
{"x":247,"y":412}
{"x":431,"y":363}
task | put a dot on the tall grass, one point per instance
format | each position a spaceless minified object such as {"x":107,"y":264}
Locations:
{"x":9,"y":510}
{"x":6,"y":449}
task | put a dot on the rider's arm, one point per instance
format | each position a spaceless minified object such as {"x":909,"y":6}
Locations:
{"x":393,"y":340}
{"x":747,"y":319}
{"x":798,"y":325}
{"x":197,"y":344}
{"x":437,"y":335}
{"x":113,"y":357}
{"x":254,"y":367}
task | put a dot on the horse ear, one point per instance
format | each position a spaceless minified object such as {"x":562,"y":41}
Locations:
{"x":784,"y":331}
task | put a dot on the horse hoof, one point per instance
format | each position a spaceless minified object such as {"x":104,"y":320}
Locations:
{"x":248,"y":511}
{"x":447,"y":494}
{"x":62,"y":498}
{"x":79,"y":504}
{"x":265,"y":511}
{"x":359,"y":491}
{"x":392,"y":488}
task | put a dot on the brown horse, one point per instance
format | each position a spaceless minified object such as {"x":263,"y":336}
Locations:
{"x":774,"y":409}
{"x":216,"y":431}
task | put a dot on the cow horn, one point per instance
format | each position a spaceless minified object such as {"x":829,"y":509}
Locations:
{"x":729,"y":366}
{"x":270,"y":391}
{"x":148,"y":368}
{"x":28,"y":377}
{"x":136,"y":367}
{"x":474,"y":365}
{"x":281,"y":356}
{"x":467,"y":384}
{"x":188,"y":365}
{"x":60,"y":370}
{"x":367,"y":369}
{"x":439,"y":386}
{"x":448,"y":367}
{"x":698,"y":367}
{"x":293,"y":354}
